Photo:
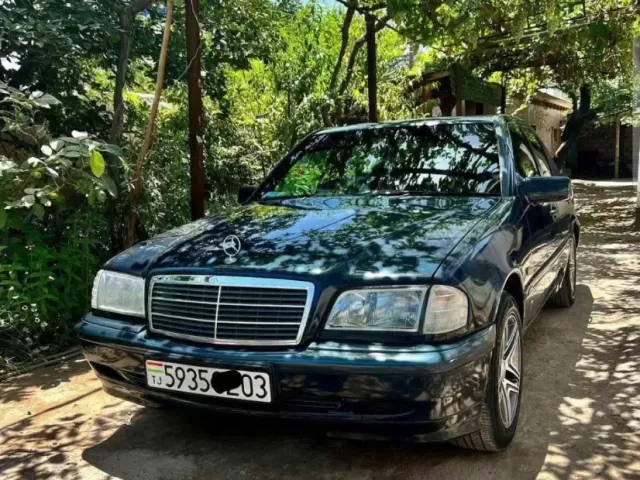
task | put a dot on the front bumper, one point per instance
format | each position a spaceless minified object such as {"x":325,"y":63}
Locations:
{"x":427,"y":392}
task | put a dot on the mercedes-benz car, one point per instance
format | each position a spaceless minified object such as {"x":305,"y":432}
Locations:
{"x":380,"y":279}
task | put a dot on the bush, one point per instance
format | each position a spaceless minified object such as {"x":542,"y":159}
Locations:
{"x":51,"y":225}
{"x":45,"y":279}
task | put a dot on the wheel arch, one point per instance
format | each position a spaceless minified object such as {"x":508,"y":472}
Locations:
{"x":575,"y":230}
{"x":513,"y":285}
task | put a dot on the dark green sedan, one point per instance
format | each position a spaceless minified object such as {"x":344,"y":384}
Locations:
{"x":379,"y":280}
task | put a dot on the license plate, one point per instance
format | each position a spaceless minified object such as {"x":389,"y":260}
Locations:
{"x":212,"y":382}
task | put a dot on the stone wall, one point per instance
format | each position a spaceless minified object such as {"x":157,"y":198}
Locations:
{"x":597,"y":151}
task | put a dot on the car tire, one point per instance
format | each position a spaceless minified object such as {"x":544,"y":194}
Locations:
{"x":499,"y":420}
{"x":566,"y":295}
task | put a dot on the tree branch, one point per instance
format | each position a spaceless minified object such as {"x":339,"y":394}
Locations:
{"x":357,"y":46}
{"x":148,"y":136}
{"x":127,"y":16}
{"x":346,"y":25}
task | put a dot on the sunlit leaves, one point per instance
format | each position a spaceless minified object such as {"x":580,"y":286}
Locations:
{"x":56,"y":169}
{"x":46,"y":150}
{"x":79,"y":135}
{"x":46,"y":100}
{"x":97,"y":163}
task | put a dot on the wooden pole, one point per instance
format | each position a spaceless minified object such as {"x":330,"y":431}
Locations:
{"x":195,"y":108}
{"x":148,"y":135}
{"x":371,"y":68}
{"x":617,"y":157}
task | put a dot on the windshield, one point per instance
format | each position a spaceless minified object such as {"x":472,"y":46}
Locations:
{"x":441,"y":159}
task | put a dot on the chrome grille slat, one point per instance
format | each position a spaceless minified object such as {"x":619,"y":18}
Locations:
{"x":179,"y":300}
{"x":229,"y":310}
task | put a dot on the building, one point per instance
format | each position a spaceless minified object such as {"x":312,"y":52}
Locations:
{"x":546,"y":112}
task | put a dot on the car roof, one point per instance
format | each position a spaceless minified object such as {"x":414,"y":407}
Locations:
{"x":415,"y":122}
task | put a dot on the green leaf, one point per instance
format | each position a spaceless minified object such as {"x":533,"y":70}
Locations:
{"x":46,"y":100}
{"x":113,"y":149}
{"x":97,"y":163}
{"x":47,"y":150}
{"x":57,"y":144}
{"x":6,"y":164}
{"x":71,"y":152}
{"x":69,"y":140}
{"x":110,"y":185}
{"x":38,"y":211}
{"x":79,"y":135}
{"x":3,"y":218}
{"x":28,"y":200}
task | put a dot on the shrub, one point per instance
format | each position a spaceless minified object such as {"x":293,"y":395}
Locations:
{"x":52,"y":226}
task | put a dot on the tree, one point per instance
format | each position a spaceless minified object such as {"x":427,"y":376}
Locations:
{"x":578,"y":47}
{"x":127,"y":15}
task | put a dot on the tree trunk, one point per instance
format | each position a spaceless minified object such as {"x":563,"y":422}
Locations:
{"x":127,"y":16}
{"x":148,"y":136}
{"x":577,"y":120}
{"x":372,"y":71}
{"x":357,"y":46}
{"x":196,"y":150}
{"x":346,"y":25}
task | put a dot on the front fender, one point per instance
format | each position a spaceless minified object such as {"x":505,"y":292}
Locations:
{"x":482,"y":261}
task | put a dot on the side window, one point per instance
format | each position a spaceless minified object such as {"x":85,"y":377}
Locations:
{"x":538,"y":153}
{"x":525,"y":164}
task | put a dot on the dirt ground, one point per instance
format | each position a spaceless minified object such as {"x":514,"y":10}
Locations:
{"x":580,"y":415}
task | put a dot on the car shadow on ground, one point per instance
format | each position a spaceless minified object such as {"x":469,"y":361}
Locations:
{"x":197,"y":444}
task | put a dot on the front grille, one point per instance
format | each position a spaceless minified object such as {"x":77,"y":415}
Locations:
{"x":229,"y":310}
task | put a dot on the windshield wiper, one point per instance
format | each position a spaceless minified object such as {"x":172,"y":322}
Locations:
{"x":408,"y":193}
{"x":394,"y":193}
{"x":285,"y":197}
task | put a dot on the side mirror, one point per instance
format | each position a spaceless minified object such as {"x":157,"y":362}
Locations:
{"x":546,"y":189}
{"x":245,"y":193}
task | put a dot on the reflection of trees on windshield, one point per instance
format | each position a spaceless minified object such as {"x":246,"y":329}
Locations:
{"x":447,"y":158}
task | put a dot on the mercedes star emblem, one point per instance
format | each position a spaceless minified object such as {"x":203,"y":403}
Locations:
{"x":231,"y":245}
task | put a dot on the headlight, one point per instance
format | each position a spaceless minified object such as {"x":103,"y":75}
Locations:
{"x":447,"y":310}
{"x":400,"y":309}
{"x":118,"y":293}
{"x":396,"y":309}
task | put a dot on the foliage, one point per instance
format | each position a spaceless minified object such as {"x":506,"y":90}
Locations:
{"x":553,"y":43}
{"x":45,"y":282}
{"x":40,"y":171}
{"x":51,"y":224}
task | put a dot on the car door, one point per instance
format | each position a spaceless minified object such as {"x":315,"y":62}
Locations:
{"x":540,"y":229}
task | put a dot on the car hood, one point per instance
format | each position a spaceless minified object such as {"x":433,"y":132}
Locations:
{"x":368,"y":237}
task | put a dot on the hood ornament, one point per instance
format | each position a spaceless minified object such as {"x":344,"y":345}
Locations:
{"x":231,"y":246}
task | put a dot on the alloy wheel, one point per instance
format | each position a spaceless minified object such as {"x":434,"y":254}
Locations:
{"x":510,"y":368}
